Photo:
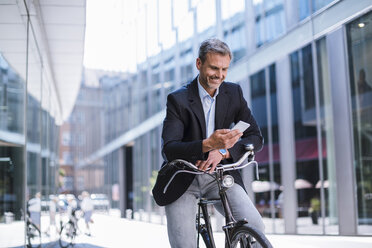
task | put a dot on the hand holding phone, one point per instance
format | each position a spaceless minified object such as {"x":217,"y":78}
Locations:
{"x":241,"y":126}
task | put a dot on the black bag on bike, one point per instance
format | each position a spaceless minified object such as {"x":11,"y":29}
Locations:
{"x":175,"y":189}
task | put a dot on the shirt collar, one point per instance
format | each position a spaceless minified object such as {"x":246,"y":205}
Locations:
{"x":203,"y":93}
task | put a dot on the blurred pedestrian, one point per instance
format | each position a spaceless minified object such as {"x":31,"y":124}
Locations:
{"x":87,"y":207}
{"x":52,"y":213}
{"x":34,"y":209}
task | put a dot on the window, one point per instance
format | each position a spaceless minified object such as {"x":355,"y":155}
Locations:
{"x":359,"y":36}
{"x":307,"y":7}
{"x":270,"y":20}
{"x":264,"y":109}
{"x":316,"y":204}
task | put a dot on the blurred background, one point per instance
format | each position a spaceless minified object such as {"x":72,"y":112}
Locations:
{"x":83,"y":87}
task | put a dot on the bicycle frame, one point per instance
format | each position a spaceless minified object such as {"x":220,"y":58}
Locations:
{"x":230,"y":222}
{"x":218,"y":175}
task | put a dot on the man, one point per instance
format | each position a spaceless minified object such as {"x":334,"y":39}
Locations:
{"x":196,"y":129}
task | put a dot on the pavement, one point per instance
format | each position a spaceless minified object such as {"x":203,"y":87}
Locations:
{"x":111,"y":232}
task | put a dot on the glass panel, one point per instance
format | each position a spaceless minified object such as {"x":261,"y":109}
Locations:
{"x":141,"y":179}
{"x":259,"y":110}
{"x":12,"y":142}
{"x":328,"y":194}
{"x":11,"y":98}
{"x":304,"y":8}
{"x":236,"y":39}
{"x":267,"y":189}
{"x":306,"y":147}
{"x":316,"y":179}
{"x":231,"y":8}
{"x":311,"y":6}
{"x":12,"y":195}
{"x":270,"y":20}
{"x":359,"y":35}
{"x":318,"y":4}
{"x":275,"y":151}
{"x":206,"y":14}
{"x":35,"y":196}
{"x":154,"y":167}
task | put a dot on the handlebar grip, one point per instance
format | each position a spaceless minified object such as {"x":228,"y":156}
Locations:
{"x":249,"y":148}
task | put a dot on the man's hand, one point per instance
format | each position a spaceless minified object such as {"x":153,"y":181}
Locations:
{"x":221,"y":139}
{"x":214,"y":158}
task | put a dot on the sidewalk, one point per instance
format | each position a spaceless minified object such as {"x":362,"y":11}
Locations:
{"x":112,"y":232}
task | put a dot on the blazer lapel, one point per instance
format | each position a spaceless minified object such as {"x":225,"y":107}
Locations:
{"x":222,"y":103}
{"x":196,"y":105}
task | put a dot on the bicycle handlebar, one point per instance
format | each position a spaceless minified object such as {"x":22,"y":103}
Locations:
{"x":221,"y":167}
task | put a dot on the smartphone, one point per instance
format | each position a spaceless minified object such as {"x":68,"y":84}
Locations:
{"x":241,"y":126}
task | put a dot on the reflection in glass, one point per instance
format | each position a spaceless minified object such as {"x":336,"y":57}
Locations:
{"x":270,"y":20}
{"x":306,"y":148}
{"x":316,"y":179}
{"x":268,"y":195}
{"x":327,"y":135}
{"x":307,"y":7}
{"x":259,"y":110}
{"x":12,"y":169}
{"x":11,"y":98}
{"x":275,"y":153}
{"x":236,"y":39}
{"x":359,"y":35}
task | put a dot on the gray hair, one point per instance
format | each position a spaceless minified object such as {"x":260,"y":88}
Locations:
{"x":213,"y":45}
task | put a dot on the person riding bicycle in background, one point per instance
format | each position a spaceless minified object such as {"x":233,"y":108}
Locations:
{"x":196,"y":129}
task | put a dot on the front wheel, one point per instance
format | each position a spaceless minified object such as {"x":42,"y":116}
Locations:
{"x":247,"y":237}
{"x":33,"y":236}
{"x":67,"y":235}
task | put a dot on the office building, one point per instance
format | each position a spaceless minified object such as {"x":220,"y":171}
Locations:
{"x":305,"y":68}
{"x":41,"y":52}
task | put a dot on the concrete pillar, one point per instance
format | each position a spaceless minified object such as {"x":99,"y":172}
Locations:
{"x":346,"y":194}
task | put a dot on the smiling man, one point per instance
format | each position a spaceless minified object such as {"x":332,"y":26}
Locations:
{"x":196,"y":129}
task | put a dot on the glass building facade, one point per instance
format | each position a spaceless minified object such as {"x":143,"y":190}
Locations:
{"x":30,"y":115}
{"x":305,"y":70}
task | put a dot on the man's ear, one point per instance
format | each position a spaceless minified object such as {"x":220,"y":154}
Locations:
{"x":198,"y":63}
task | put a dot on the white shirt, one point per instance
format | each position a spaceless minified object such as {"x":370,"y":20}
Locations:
{"x":209,"y":108}
{"x":87,"y":204}
{"x":34,"y":205}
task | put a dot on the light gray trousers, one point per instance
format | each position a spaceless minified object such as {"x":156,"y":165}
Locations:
{"x":182,"y":212}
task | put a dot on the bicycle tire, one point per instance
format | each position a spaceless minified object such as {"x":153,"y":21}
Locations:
{"x":33,"y":236}
{"x":247,"y":237}
{"x":67,"y":235}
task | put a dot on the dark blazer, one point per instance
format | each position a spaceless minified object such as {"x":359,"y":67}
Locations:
{"x":184,"y":129}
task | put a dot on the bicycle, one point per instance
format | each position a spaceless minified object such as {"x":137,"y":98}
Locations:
{"x":237,"y":233}
{"x":33,"y":234}
{"x":69,"y":231}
